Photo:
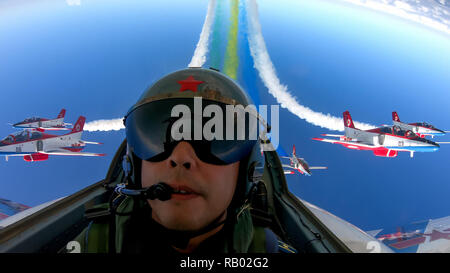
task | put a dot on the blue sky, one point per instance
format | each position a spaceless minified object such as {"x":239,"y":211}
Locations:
{"x":96,"y":59}
{"x":92,"y":60}
{"x":336,"y":58}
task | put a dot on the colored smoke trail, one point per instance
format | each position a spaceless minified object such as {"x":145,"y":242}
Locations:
{"x":201,"y":50}
{"x":231,"y":57}
{"x":269,"y":77}
{"x":104,"y":125}
{"x":215,"y":58}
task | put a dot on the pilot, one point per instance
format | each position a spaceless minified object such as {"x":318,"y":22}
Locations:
{"x":396,"y":129}
{"x":197,"y":191}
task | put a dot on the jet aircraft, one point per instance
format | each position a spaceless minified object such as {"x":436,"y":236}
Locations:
{"x":43,"y":124}
{"x":422,"y":129}
{"x":299,"y":164}
{"x":383,"y":141}
{"x":53,"y":226}
{"x":422,"y":237}
{"x":35,"y":145}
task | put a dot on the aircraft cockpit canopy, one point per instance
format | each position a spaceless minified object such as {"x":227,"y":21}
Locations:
{"x":7,"y":140}
{"x":20,"y":137}
{"x":397,"y":131}
{"x":33,"y":119}
{"x":410,"y":134}
{"x":426,"y":125}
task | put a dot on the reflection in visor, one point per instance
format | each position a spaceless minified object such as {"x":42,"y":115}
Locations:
{"x":217,"y":134}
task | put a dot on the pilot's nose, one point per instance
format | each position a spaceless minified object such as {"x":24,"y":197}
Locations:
{"x":183,"y":155}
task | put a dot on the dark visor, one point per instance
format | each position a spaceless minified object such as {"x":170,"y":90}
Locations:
{"x":153,"y":133}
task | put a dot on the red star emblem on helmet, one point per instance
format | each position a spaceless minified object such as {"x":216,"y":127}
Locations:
{"x":189,"y":84}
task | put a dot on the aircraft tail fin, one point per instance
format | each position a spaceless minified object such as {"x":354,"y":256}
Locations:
{"x":78,"y":127}
{"x":293,"y":150}
{"x":395,"y":116}
{"x":62,"y":113}
{"x":348,"y":122}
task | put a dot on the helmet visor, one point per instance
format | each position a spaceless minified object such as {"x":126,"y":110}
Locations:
{"x":219,"y":133}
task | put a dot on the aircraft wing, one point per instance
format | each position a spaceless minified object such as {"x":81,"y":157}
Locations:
{"x":318,"y":168}
{"x":54,"y":128}
{"x":327,"y":140}
{"x":332,"y":135}
{"x":91,"y":142}
{"x":19,"y":154}
{"x":71,"y":153}
{"x":348,"y":144}
{"x":45,"y":128}
{"x":288,"y":171}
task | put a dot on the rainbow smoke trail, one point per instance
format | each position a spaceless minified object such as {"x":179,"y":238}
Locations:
{"x":231,"y":57}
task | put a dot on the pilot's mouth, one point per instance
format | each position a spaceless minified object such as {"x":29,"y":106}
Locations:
{"x":184,"y":192}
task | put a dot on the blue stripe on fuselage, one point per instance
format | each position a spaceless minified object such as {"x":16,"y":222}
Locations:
{"x":13,"y":153}
{"x":416,"y":148}
{"x":435,"y":134}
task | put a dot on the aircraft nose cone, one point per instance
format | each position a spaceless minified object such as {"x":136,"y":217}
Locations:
{"x":435,"y":146}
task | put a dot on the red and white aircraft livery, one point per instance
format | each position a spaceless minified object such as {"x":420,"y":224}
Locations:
{"x":42,"y":124}
{"x":35,"y":145}
{"x":299,"y":164}
{"x":382,"y":141}
{"x":422,"y":129}
{"x":430,"y":236}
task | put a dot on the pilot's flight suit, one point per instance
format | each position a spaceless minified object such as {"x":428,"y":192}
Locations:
{"x":138,"y":233}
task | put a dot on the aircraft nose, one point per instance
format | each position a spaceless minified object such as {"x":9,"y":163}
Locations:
{"x":435,"y":146}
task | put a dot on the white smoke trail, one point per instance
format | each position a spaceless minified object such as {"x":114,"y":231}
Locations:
{"x":104,"y":125}
{"x":198,"y":60}
{"x":269,"y":77}
{"x":201,"y":50}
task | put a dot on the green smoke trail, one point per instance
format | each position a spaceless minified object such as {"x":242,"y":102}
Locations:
{"x":231,"y":56}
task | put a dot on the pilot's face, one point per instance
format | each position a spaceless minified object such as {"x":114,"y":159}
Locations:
{"x":206,"y":189}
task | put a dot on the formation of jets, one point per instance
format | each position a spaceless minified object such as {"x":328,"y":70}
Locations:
{"x":432,"y":235}
{"x":387,"y":141}
{"x":35,"y":145}
{"x":384,"y":141}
